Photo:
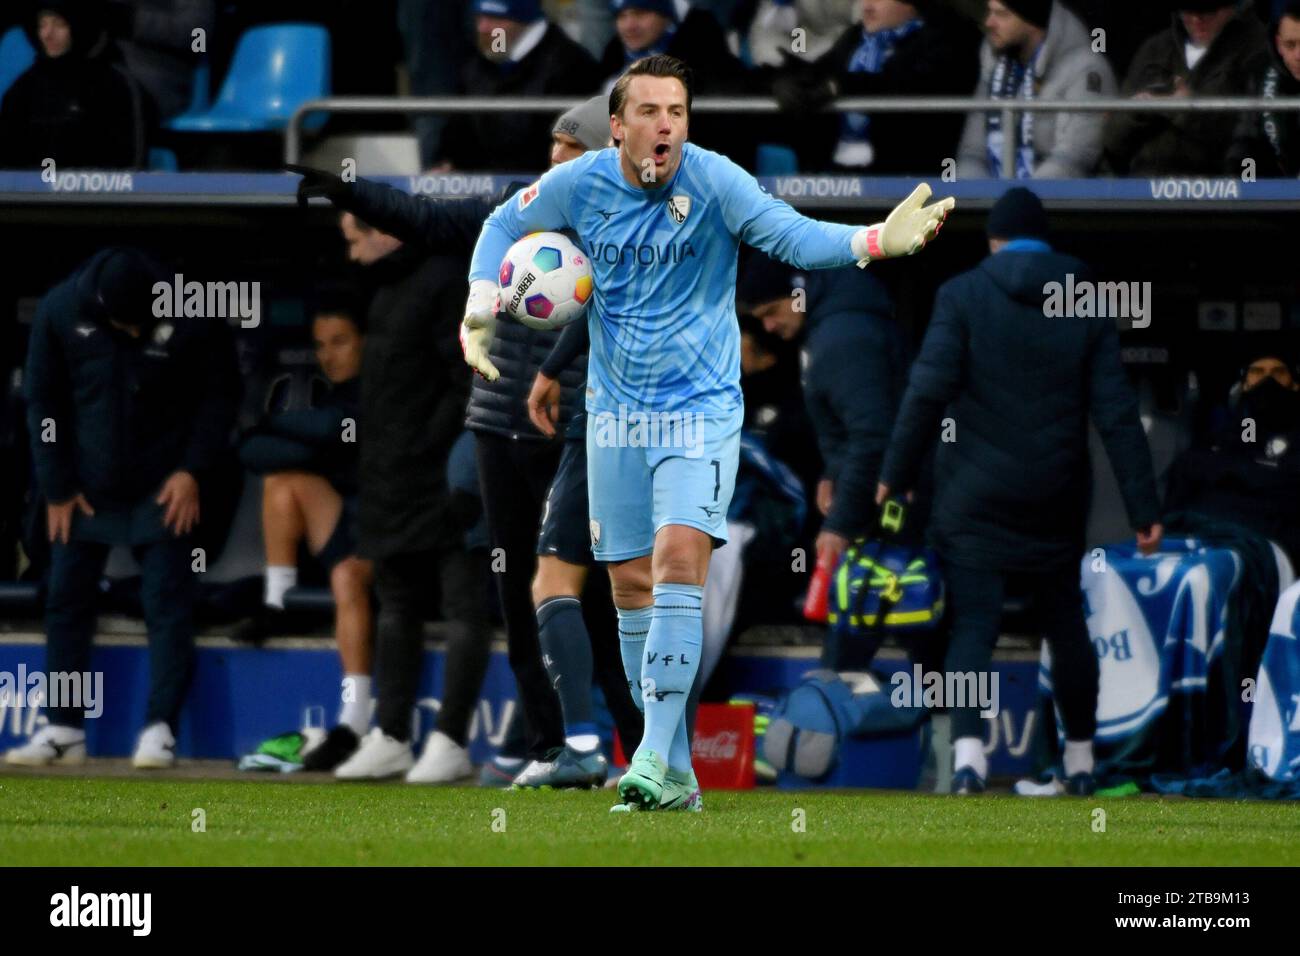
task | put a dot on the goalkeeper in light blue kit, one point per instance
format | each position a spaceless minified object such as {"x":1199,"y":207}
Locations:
{"x":661,"y":221}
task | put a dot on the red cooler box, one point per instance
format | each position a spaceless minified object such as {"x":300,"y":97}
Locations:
{"x":723,"y":749}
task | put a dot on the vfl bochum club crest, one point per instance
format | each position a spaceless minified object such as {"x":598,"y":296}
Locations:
{"x":679,"y":207}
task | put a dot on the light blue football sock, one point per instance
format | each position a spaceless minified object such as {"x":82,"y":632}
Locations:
{"x":672,"y":656}
{"x":633,"y":626}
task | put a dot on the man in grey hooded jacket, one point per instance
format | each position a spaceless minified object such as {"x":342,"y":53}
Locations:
{"x":1036,"y":49}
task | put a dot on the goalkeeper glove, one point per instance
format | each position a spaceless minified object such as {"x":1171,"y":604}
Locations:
{"x":906,"y":230}
{"x":479,"y":327}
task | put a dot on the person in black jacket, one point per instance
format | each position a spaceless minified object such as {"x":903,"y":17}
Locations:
{"x":72,"y":105}
{"x":409,"y":524}
{"x":1272,"y":139}
{"x":519,"y":54}
{"x":1246,"y":469}
{"x":1009,"y":391}
{"x":128,"y":413}
{"x":516,"y":462}
{"x":853,"y":359}
{"x":899,"y":49}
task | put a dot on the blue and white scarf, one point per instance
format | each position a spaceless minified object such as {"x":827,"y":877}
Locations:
{"x":1012,"y":80}
{"x":854,"y":148}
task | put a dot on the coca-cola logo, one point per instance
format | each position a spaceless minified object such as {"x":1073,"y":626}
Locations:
{"x":724,"y":745}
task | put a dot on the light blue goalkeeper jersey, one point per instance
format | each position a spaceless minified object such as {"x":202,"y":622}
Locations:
{"x":664,"y":335}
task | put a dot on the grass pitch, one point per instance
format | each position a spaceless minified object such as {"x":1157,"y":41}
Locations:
{"x":74,"y":821}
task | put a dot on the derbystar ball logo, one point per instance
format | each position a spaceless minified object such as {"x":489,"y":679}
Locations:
{"x":529,"y":194}
{"x":723,"y":745}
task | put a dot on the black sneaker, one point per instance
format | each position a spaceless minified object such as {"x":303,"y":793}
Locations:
{"x":1081,"y":785}
{"x":256,"y":629}
{"x":339,"y":744}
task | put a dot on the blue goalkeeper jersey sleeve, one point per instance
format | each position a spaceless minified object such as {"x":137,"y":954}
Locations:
{"x":664,"y":335}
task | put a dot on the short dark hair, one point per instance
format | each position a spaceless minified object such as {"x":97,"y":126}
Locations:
{"x":342,"y":299}
{"x":1290,"y":10}
{"x":661,"y":64}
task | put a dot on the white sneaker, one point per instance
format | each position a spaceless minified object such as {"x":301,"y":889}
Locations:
{"x":156,"y":749}
{"x":535,"y":773}
{"x":378,"y":757}
{"x":443,"y":761}
{"x":51,"y":745}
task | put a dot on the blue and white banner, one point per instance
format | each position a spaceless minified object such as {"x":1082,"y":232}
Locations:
{"x":1274,"y":738}
{"x":1158,"y":625}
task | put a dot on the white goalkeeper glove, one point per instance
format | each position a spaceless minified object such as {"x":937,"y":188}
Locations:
{"x":906,"y":230}
{"x":479,"y":327}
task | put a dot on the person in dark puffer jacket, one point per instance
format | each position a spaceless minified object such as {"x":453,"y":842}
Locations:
{"x":1013,"y":390}
{"x":129,"y":415}
{"x":516,"y":461}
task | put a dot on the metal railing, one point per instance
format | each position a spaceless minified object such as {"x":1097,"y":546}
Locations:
{"x":762,"y":104}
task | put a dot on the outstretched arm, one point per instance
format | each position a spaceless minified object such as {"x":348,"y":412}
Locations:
{"x":767,"y":223}
{"x":449,"y":226}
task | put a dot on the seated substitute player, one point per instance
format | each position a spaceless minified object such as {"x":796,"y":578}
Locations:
{"x":308,"y":460}
{"x":662,"y":220}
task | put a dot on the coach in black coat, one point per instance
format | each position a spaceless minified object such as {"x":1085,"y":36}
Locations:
{"x":413,"y":391}
{"x":1009,"y":391}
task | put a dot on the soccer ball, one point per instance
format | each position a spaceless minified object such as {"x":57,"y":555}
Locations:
{"x":545,"y":281}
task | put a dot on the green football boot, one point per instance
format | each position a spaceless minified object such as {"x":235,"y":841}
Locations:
{"x":681,"y":792}
{"x":643,"y":783}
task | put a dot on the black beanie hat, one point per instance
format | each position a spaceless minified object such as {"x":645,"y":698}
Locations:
{"x":1019,"y":214}
{"x":764,"y":280}
{"x":1037,"y":12}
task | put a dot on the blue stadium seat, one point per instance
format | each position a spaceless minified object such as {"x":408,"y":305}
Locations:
{"x":162,"y":160}
{"x":200,"y":94}
{"x":16,"y":55}
{"x":275,"y":68}
{"x":774,"y":160}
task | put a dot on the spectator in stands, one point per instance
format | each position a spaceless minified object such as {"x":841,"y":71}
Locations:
{"x":1212,"y":48}
{"x":433,"y":45}
{"x":520,"y":54}
{"x":772,"y":32}
{"x":1013,"y":391}
{"x":1036,"y":49}
{"x":157,"y":40}
{"x":308,"y":462}
{"x":1272,"y":139}
{"x":414,"y":387}
{"x":852,"y":364}
{"x":646,"y":27}
{"x":900,"y":49}
{"x":1247,"y":468}
{"x":127,"y":413}
{"x":72,"y":105}
{"x":1125,"y":26}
